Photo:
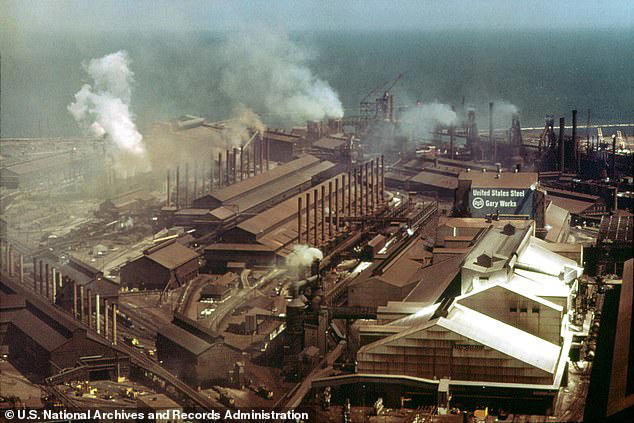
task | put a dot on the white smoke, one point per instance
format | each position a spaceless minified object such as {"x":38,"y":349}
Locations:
{"x":103,"y":108}
{"x":267,"y":72}
{"x":503,"y":112}
{"x":303,"y":255}
{"x":424,"y":118}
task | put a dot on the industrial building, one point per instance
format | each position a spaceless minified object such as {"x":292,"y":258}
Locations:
{"x":169,"y":264}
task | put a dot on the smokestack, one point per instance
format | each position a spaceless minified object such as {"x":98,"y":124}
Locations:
{"x":451,"y":137}
{"x":373,"y":185}
{"x":491,"y":140}
{"x":268,"y":153}
{"x":376,"y":181}
{"x":98,"y":313}
{"x":323,"y":212}
{"x":34,"y":275}
{"x":574,"y":141}
{"x":329,"y":209}
{"x":195,"y":181}
{"x":89,"y":309}
{"x":235,"y":167}
{"x":248,"y":161}
{"x":562,"y":129}
{"x":114,"y":324}
{"x":81,"y":303}
{"x":615,"y":199}
{"x":613,"y":166}
{"x":178,"y":187}
{"x":382,"y":179}
{"x":47,"y":278}
{"x":241,"y":163}
{"x":106,"y":312}
{"x":54,"y":292}
{"x":167,"y":200}
{"x":336,"y":205}
{"x":315,"y":227}
{"x":308,"y":218}
{"x":220,"y":169}
{"x":355,"y":185}
{"x":228,"y":170}
{"x":262,"y":157}
{"x":186,"y":184}
{"x":366,"y":180}
{"x":343,"y":198}
{"x":21,"y":269}
{"x":349,"y":195}
{"x":75,"y":300}
{"x":41,"y":277}
{"x":299,"y":219}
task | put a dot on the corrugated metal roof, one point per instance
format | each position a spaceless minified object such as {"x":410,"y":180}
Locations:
{"x":520,"y":180}
{"x":328,"y":143}
{"x":281,"y":136}
{"x":40,"y":332}
{"x":242,"y":188}
{"x":498,"y":245}
{"x":557,"y":218}
{"x":172,"y":255}
{"x":184,"y":339}
{"x":436,"y":180}
{"x":502,"y":337}
{"x":238,"y":247}
{"x":434,"y":280}
{"x":573,"y":206}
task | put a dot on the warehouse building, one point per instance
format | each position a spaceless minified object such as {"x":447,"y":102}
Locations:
{"x":283,"y":146}
{"x":165,"y":266}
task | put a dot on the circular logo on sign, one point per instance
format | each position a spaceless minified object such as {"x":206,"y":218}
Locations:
{"x":478,"y":203}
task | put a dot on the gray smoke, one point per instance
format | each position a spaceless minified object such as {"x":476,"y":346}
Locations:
{"x":268,"y":73}
{"x":503,"y":112}
{"x":422,"y":119}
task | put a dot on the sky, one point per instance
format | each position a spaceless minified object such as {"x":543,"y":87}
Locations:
{"x":323,"y":15}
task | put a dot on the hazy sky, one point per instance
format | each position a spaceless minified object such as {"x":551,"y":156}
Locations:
{"x":316,"y":15}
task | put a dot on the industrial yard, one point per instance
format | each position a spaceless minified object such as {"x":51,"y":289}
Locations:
{"x":397,"y":261}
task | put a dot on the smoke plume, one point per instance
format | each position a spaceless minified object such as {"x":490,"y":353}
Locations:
{"x":423,"y":119}
{"x":503,"y":112}
{"x":303,"y":255}
{"x":103,"y":108}
{"x":267,"y":72}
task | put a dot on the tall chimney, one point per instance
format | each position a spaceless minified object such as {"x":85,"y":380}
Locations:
{"x":373,"y":185}
{"x":562,"y":149}
{"x":75,"y":314}
{"x":613,"y":170}
{"x":54,"y":285}
{"x":382,"y":179}
{"x":167,"y":200}
{"x":242,"y":163}
{"x":35,"y":275}
{"x":178,"y":187}
{"x":220,"y":169}
{"x":367,"y":188}
{"x":376,"y":181}
{"x":308,"y":218}
{"x":492,"y":142}
{"x":452,"y":130}
{"x":268,"y":153}
{"x":106,"y":313}
{"x":81,"y":303}
{"x":48,"y":280}
{"x":355,"y":186}
{"x":336,"y":205}
{"x":262,"y":157}
{"x":41,"y":277}
{"x":350,"y":197}
{"x":89,"y":308}
{"x":343,"y":198}
{"x":195,"y":181}
{"x":299,"y":219}
{"x":114,"y":324}
{"x":315,"y":197}
{"x":98,"y":313}
{"x":235,"y":167}
{"x":249,"y":147}
{"x":228,"y":170}
{"x":186,"y":184}
{"x":21,"y":269}
{"x":574,"y":142}
{"x":323,"y":212}
{"x":329,"y":209}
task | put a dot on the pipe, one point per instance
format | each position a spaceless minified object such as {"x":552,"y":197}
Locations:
{"x":186,"y":202}
{"x":248,"y":161}
{"x":242,"y":163}
{"x":47,"y":278}
{"x":382,"y":179}
{"x":574,"y":141}
{"x":21,"y":269}
{"x":35,"y":275}
{"x":262,"y":157}
{"x":451,"y":137}
{"x":81,"y":305}
{"x":376,"y":182}
{"x":367,"y":188}
{"x":356,"y":183}
{"x":491,"y":140}
{"x":299,"y":219}
{"x":268,"y":153}
{"x":329,"y":209}
{"x":349,"y":194}
{"x":336,"y":205}
{"x":343,"y":198}
{"x":41,"y":277}
{"x":373,"y":185}
{"x":98,"y":313}
{"x":178,"y":187}
{"x":562,"y":159}
{"x":54,"y":277}
{"x":323,"y":212}
{"x":308,"y":218}
{"x":613,"y":170}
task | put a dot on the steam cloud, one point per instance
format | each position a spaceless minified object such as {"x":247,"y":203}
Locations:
{"x":303,"y":255}
{"x":269,"y":73}
{"x":503,"y":112}
{"x":103,"y":108}
{"x":422,"y":119}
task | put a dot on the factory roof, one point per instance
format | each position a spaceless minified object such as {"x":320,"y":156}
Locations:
{"x":434,"y":280}
{"x":171,"y":255}
{"x":40,"y":332}
{"x":281,"y":136}
{"x":157,"y":402}
{"x":238,"y":247}
{"x":519,"y":180}
{"x":536,"y":256}
{"x":572,"y":205}
{"x":459,"y":163}
{"x":330,"y":143}
{"x":434,"y":179}
{"x":495,"y":290}
{"x":184,"y":339}
{"x":556,"y":218}
{"x":495,"y":248}
{"x":616,"y":229}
